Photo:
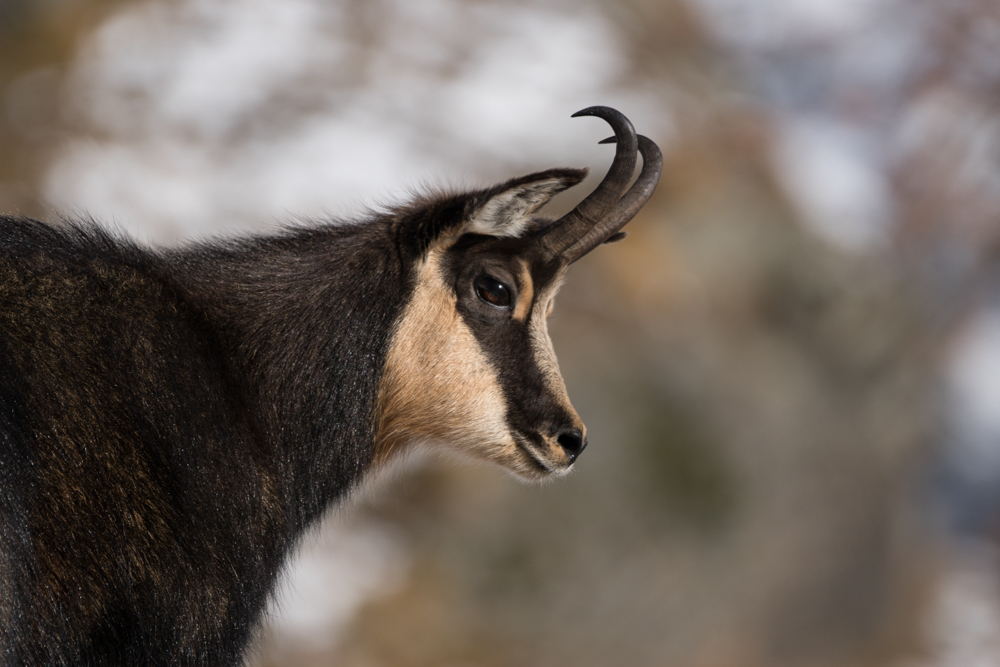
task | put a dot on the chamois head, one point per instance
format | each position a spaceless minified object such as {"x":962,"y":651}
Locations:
{"x":471,"y":365}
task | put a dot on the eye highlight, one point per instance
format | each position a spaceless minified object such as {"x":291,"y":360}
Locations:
{"x":492,"y":291}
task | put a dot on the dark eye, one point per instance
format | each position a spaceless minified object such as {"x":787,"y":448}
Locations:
{"x":492,"y":291}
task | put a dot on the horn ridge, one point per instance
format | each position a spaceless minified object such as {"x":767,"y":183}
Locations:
{"x":567,"y":231}
{"x":627,"y":206}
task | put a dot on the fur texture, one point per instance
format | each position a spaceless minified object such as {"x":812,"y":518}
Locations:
{"x":172,"y":421}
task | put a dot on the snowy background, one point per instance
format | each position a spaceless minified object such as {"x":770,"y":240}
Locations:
{"x":791,"y":371}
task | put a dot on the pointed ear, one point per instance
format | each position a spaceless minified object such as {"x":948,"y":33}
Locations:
{"x":507,"y":209}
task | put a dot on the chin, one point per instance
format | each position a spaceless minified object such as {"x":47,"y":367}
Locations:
{"x":531,"y":469}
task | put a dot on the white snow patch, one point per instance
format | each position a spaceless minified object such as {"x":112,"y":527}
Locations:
{"x":963,"y":623}
{"x":777,"y":23}
{"x":331,"y":576}
{"x":974,"y":398}
{"x":198,"y":64}
{"x":830,"y":175}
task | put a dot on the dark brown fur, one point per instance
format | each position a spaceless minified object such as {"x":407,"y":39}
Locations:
{"x":172,"y":421}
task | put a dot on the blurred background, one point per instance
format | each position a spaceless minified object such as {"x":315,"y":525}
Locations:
{"x":790,"y":370}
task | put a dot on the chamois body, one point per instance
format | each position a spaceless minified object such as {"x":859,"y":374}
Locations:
{"x":172,"y":421}
{"x":169,"y":425}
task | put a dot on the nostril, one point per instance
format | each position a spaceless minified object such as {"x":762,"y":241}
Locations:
{"x":572,"y":441}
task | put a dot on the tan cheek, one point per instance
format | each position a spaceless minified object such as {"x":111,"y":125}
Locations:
{"x":545,"y":357}
{"x":437,"y":385}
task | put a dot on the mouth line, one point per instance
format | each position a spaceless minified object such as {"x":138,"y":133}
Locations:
{"x":538,"y":463}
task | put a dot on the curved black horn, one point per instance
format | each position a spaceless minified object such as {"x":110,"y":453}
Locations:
{"x":570,"y":228}
{"x":627,"y":207}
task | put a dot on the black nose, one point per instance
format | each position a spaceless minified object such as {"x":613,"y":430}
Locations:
{"x":572,"y":441}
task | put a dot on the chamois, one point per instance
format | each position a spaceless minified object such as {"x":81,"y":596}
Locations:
{"x":172,"y":420}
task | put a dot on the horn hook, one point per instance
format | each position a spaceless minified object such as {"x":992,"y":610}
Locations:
{"x":575,"y":225}
{"x":607,"y":229}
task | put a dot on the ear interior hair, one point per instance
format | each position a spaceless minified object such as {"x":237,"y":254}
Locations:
{"x":507,"y":209}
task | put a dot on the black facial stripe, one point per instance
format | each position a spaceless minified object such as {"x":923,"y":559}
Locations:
{"x":533,"y":408}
